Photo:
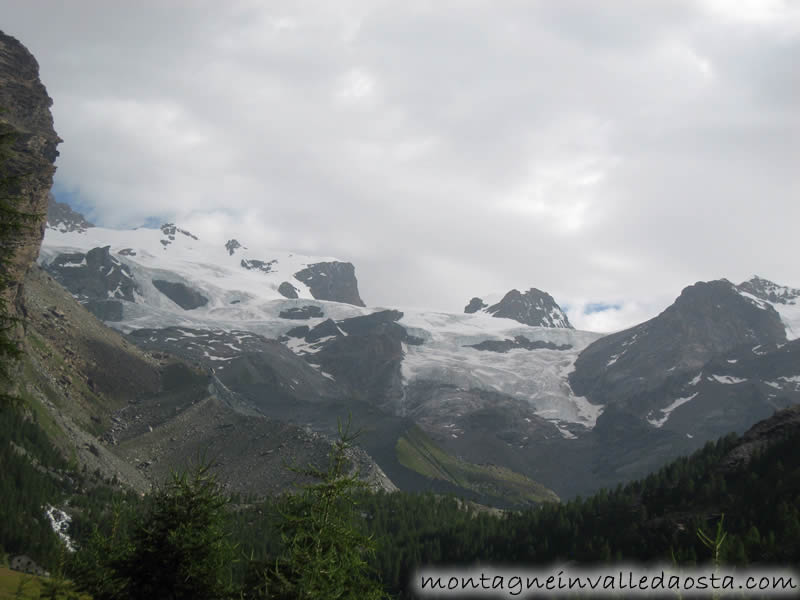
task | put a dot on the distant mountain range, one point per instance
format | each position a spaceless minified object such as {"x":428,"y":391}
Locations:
{"x":507,"y":382}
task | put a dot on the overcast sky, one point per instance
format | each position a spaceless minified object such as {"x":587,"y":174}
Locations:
{"x":606,"y":152}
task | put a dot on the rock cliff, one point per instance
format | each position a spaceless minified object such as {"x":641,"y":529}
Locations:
{"x":27,"y":170}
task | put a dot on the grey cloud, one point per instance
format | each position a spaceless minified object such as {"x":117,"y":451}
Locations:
{"x":608,"y":152}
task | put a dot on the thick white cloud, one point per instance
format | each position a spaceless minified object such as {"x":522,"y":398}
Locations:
{"x":614,"y":152}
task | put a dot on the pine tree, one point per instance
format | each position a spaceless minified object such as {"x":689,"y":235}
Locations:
{"x":179,"y":549}
{"x":325,"y":553}
{"x":182,"y":550}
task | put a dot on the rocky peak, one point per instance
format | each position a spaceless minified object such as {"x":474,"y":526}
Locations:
{"x":475,"y":305}
{"x":535,"y":308}
{"x":335,"y":281}
{"x":62,"y":218}
{"x":26,"y":115}
{"x":764,"y":289}
{"x":707,"y":320}
{"x":97,"y":280}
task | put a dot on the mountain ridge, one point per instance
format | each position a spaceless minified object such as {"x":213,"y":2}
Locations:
{"x":482,"y":385}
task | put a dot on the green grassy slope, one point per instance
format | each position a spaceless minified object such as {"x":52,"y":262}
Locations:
{"x":416,"y":451}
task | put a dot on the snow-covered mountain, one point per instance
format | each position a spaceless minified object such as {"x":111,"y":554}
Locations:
{"x":784,"y":300}
{"x":508,"y":381}
{"x":719,"y":359}
{"x":168,"y":277}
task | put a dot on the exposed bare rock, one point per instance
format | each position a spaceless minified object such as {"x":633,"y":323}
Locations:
{"x":61,"y":217}
{"x":334,"y":281}
{"x":26,"y":113}
{"x":287,"y":290}
{"x":534,"y":307}
{"x":181,"y":294}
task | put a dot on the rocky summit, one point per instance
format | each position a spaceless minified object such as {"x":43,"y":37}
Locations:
{"x":332,"y":281}
{"x":535,"y":308}
{"x":61,"y":217}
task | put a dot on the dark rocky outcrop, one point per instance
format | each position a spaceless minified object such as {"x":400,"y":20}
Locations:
{"x":181,"y":294}
{"x":61,"y":217}
{"x":334,"y":281}
{"x":707,"y":320}
{"x":475,"y":305}
{"x":170,"y":230}
{"x":287,"y":290}
{"x":326,"y":329}
{"x":257,"y":265}
{"x":519,"y":341}
{"x":97,"y":280}
{"x":363,"y":354}
{"x":28,"y":173}
{"x":535,"y":308}
{"x":301,"y":313}
{"x":232,"y":245}
{"x":769,"y":291}
{"x":300,"y":331}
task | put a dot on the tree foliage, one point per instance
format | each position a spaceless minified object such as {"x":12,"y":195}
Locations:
{"x":180,"y":548}
{"x":325,"y":554}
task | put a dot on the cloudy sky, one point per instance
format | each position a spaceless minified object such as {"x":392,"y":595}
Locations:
{"x":607,"y":152}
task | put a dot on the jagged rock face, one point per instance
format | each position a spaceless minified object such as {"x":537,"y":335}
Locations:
{"x":335,"y":281}
{"x":26,"y":112}
{"x":61,"y":217}
{"x":708,"y":319}
{"x":243,"y":361}
{"x":535,"y":308}
{"x":769,"y":291}
{"x":287,"y":290}
{"x":181,"y":294}
{"x":474,"y":306}
{"x":363,"y":354}
{"x":97,"y":280}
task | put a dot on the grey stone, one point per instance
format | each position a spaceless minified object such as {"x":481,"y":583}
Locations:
{"x":535,"y":308}
{"x":474,"y":305}
{"x":287,"y":290}
{"x":334,"y":281}
{"x":96,"y":275}
{"x":181,"y":294}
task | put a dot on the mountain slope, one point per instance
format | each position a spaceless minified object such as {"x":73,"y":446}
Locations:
{"x":138,"y":414}
{"x":570,"y":409}
{"x":234,"y":280}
